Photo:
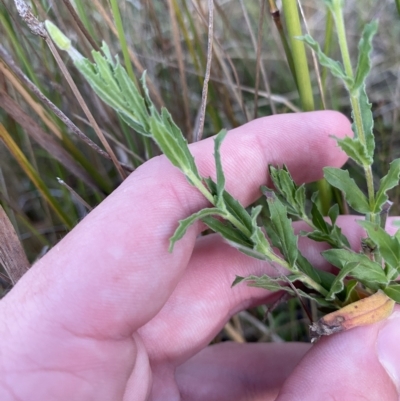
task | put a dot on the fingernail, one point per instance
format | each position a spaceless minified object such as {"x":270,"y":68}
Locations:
{"x":388,"y":348}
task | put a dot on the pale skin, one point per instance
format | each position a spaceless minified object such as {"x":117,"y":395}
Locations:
{"x":109,"y":314}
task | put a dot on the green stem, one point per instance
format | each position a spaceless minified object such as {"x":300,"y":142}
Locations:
{"x":341,"y":32}
{"x":299,"y":54}
{"x":122,"y":40}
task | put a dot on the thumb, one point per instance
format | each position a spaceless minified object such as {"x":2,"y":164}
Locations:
{"x":359,"y":364}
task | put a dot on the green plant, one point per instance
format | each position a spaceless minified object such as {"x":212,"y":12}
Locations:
{"x":360,"y":274}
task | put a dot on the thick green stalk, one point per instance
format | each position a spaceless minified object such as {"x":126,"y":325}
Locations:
{"x":299,"y":54}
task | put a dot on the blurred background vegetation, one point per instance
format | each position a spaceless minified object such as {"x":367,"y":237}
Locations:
{"x":254,"y":72}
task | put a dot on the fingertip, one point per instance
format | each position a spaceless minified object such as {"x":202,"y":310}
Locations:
{"x":345,"y":366}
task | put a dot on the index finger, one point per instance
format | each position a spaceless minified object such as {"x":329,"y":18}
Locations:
{"x":113,"y":272}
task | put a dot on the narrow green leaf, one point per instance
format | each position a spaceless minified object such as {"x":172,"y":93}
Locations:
{"x":172,"y":143}
{"x":292,"y":195}
{"x":227,"y":231}
{"x":319,"y":276}
{"x":220,"y":173}
{"x":350,"y":292}
{"x":133,"y":98}
{"x":319,"y":236}
{"x":282,"y":226}
{"x":368,"y":272}
{"x":186,"y":223}
{"x":333,"y":66}
{"x":389,"y":181}
{"x":317,"y":218}
{"x":367,"y":121}
{"x":389,"y":246}
{"x":341,"y":179}
{"x":355,"y":150}
{"x":232,"y":205}
{"x":338,"y":284}
{"x":237,"y":280}
{"x":181,"y":141}
{"x":265,"y":282}
{"x":339,"y":237}
{"x":393,"y":291}
{"x":333,"y":213}
{"x":278,"y":284}
{"x":364,"y":54}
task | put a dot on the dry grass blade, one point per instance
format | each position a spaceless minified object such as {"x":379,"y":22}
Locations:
{"x":262,"y":68}
{"x":33,"y":88}
{"x":44,"y":140}
{"x":33,"y":176}
{"x":37,"y":28}
{"x":12,"y":255}
{"x":258,"y":59}
{"x":200,"y":129}
{"x":181,"y":65}
{"x":220,"y":56}
{"x":74,"y":194}
{"x":85,"y":108}
{"x":233,"y":333}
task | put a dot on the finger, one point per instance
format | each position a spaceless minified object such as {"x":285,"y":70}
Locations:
{"x":231,"y":371}
{"x":116,"y":260}
{"x":360,"y":364}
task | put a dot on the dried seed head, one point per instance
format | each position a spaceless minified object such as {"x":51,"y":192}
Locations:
{"x":33,"y":23}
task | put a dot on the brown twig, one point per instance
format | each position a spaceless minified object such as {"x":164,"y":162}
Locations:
{"x":82,"y":27}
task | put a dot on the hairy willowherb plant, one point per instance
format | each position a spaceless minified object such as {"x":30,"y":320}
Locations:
{"x":365,"y":288}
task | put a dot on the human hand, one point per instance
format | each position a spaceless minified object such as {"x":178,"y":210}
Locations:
{"x":109,"y":314}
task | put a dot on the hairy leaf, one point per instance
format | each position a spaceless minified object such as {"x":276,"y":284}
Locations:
{"x":341,"y":179}
{"x":278,"y":284}
{"x":220,"y":173}
{"x":333,"y":66}
{"x":233,"y":206}
{"x":317,"y":218}
{"x":333,"y":213}
{"x":266,"y":282}
{"x":355,"y":150}
{"x":364,"y":55}
{"x":282,"y":226}
{"x":389,"y":181}
{"x":367,"y":121}
{"x":293,"y":196}
{"x":366,"y":271}
{"x":338,"y":284}
{"x":389,"y":246}
{"x":393,"y":291}
{"x":186,"y":223}
{"x":227,"y":231}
